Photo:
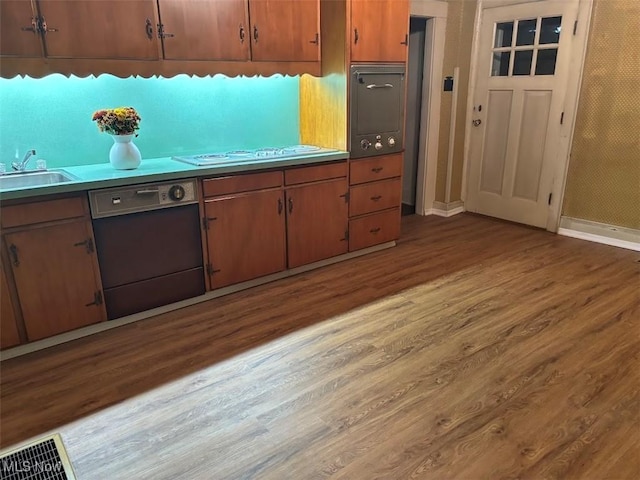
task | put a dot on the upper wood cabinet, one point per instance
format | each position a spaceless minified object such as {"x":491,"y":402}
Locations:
{"x":124,"y":29}
{"x":379,"y":30}
{"x":19,"y":30}
{"x":79,"y":29}
{"x":249,"y":37}
{"x":205,"y":30}
{"x":279,"y":30}
{"x":285,"y":30}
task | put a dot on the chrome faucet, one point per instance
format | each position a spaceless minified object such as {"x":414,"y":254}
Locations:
{"x":21,"y":166}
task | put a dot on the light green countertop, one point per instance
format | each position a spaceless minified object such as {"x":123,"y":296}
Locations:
{"x":91,"y":177}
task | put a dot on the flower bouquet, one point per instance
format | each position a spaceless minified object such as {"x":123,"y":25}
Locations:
{"x":118,"y":121}
{"x":121,"y":123}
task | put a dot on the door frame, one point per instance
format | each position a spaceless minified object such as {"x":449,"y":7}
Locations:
{"x":573,"y":86}
{"x":435,"y":11}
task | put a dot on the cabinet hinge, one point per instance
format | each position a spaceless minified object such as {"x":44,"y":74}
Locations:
{"x":550,"y":197}
{"x":162,"y":33}
{"x":206,"y":222}
{"x":561,"y":118}
{"x":88,"y":245}
{"x":211,"y":270}
{"x":346,"y":234}
{"x":97,"y":299}
{"x":575,"y":27}
{"x":346,"y":197}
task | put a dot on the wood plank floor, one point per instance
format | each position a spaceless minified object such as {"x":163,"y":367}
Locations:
{"x":475,"y":349}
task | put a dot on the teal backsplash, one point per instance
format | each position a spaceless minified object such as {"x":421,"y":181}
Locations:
{"x":180,"y":115}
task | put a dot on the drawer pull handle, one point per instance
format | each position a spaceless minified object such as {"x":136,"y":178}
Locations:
{"x":290,"y":205}
{"x":147,"y":191}
{"x":376,"y":169}
{"x":376,"y":198}
{"x":374,"y":230}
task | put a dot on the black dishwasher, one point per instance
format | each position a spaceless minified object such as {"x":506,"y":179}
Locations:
{"x":148,"y":244}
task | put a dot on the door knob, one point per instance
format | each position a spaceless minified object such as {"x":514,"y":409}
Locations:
{"x":476,"y":122}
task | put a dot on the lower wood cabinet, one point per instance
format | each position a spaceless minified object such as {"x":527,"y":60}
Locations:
{"x":246,"y":236}
{"x":376,"y":196}
{"x":53,"y":263}
{"x":9,"y":335}
{"x":369,"y":230}
{"x":261,"y":223}
{"x":317,"y":223}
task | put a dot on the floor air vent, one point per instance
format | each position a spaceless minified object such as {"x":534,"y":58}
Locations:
{"x":44,"y":459}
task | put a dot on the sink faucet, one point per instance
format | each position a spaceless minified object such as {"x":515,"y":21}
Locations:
{"x":21,"y":166}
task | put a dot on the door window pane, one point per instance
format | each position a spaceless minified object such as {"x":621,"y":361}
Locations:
{"x":550,"y":30}
{"x":546,"y":64}
{"x":500,"y":65}
{"x":504,"y":34}
{"x":526,"y":32}
{"x":522,"y":62}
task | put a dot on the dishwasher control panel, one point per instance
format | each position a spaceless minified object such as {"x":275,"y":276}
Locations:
{"x":140,"y":198}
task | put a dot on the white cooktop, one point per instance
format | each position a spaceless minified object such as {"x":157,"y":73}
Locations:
{"x":252,"y":155}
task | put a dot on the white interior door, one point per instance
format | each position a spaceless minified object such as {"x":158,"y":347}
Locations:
{"x":523,"y":60}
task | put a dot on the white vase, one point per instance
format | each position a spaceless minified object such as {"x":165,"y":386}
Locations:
{"x":124,"y":155}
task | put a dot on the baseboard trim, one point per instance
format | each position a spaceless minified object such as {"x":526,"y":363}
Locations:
{"x":109,"y":324}
{"x":443,"y":209}
{"x":606,"y":234}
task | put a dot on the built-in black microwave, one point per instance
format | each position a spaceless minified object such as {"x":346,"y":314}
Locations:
{"x":376,"y":105}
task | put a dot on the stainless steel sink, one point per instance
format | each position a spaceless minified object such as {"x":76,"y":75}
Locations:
{"x":34,"y":179}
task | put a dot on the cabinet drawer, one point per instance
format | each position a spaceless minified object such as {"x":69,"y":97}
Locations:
{"x":374,"y":229}
{"x":241,"y":183}
{"x":371,"y":197}
{"x":376,"y":168}
{"x":47,"y":211}
{"x":315,"y":173}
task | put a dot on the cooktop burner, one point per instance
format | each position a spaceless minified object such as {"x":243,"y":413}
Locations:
{"x":245,"y":155}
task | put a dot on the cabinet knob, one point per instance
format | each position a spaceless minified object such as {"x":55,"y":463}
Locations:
{"x":148,"y":26}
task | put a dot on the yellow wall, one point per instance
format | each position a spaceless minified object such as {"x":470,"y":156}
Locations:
{"x":457,"y":53}
{"x":603,"y":183}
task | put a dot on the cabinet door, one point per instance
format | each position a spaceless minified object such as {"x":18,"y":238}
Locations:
{"x":379,"y":30}
{"x":8,"y":328}
{"x":317,"y":222}
{"x":285,"y":30}
{"x":54,"y":271}
{"x":18,"y":35}
{"x":100,"y":29}
{"x":246,"y":236}
{"x":205,"y":29}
